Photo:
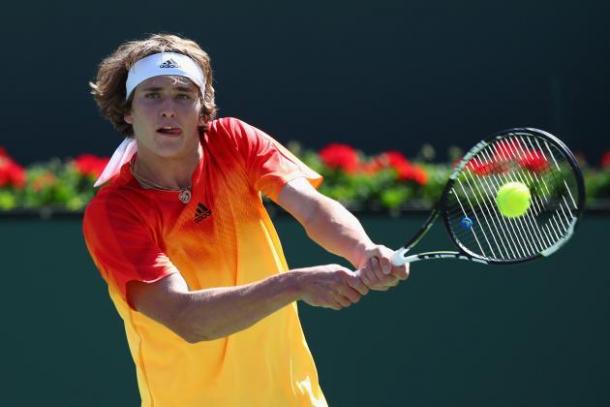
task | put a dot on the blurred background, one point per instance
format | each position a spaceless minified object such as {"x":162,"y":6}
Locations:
{"x":383,"y":75}
{"x":377,"y":75}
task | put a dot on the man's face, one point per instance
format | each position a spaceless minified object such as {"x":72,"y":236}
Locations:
{"x":165,"y":116}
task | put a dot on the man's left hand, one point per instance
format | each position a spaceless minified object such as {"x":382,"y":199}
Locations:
{"x":376,"y":269}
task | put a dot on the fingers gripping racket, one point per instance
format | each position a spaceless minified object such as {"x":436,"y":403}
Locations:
{"x":532,"y":159}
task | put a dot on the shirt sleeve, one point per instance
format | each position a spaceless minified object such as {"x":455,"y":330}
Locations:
{"x":269,"y":165}
{"x":122,"y":246}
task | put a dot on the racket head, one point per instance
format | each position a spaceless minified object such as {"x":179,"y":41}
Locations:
{"x":524,"y":155}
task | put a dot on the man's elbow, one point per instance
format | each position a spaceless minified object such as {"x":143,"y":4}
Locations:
{"x":190,"y":334}
{"x":170,"y":303}
{"x":192,"y":337}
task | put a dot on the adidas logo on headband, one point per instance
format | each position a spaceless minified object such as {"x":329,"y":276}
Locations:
{"x":170,"y":63}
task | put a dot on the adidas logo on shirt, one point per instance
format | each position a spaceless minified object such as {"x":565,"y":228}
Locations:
{"x":201,"y":212}
{"x":170,"y":63}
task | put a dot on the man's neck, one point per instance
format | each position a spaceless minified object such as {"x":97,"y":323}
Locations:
{"x":172,"y":173}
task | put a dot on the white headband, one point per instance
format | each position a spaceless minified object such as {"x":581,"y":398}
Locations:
{"x":164,"y":63}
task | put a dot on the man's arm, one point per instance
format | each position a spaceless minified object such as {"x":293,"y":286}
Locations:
{"x":333,"y":227}
{"x":217,"y":312}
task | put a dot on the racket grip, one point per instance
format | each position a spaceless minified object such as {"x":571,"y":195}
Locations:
{"x":398,"y":259}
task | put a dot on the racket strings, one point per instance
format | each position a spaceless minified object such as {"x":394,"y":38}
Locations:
{"x":560,"y":224}
{"x":540,"y":201}
{"x":508,"y":244}
{"x":544,"y":200}
{"x":521,"y":158}
{"x":529,"y":232}
{"x":510,"y":241}
{"x":561,"y":218}
{"x":525,"y":226}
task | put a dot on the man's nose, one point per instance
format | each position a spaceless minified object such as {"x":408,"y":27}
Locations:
{"x":168,"y":109}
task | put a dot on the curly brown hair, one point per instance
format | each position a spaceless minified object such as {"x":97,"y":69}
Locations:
{"x":109,"y":87}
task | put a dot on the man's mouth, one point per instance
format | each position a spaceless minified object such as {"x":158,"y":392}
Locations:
{"x":170,"y":131}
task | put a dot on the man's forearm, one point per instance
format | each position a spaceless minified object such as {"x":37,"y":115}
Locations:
{"x":337,"y":230}
{"x":217,"y":312}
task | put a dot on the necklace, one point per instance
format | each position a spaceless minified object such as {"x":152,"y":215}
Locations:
{"x":184,"y":194}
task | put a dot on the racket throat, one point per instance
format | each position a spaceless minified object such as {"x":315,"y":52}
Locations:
{"x":421,"y":232}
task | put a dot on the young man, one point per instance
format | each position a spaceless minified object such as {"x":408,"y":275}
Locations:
{"x":191,"y":258}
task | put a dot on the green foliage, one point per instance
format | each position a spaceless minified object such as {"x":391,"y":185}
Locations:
{"x":8,"y":200}
{"x":54,"y":184}
{"x":597,"y":184}
{"x":379,"y":183}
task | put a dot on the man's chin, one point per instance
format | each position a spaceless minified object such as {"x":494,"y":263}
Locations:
{"x":170,"y":148}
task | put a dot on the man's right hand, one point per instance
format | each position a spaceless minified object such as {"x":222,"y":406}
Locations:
{"x":329,"y":286}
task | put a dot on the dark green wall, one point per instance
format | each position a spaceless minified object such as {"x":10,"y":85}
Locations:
{"x":455,"y":334}
{"x":378,"y":75}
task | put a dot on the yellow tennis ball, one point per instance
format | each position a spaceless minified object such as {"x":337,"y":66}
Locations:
{"x":513,"y":199}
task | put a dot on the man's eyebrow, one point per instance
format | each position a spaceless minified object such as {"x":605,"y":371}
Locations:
{"x":159,"y":88}
{"x":152,"y":89}
{"x":185,"y":89}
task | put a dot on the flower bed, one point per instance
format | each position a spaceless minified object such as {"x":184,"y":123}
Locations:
{"x":387,"y":182}
{"x":57,"y":184}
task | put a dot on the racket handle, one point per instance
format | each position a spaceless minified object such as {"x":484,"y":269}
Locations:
{"x":399,"y":259}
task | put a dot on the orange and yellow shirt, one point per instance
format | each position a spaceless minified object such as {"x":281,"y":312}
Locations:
{"x":222,"y":237}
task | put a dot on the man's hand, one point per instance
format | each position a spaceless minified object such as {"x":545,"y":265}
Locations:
{"x":376,"y":270}
{"x":330,"y":286}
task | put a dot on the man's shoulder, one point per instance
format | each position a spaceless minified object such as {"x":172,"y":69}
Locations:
{"x":111,"y":199}
{"x":235,"y":133}
{"x":227,"y":135}
{"x":226,"y":124}
{"x":233,"y":128}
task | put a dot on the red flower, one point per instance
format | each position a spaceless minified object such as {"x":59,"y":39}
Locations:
{"x":412,"y":173}
{"x":372,"y":167}
{"x":507,"y":154}
{"x":479,"y":167}
{"x":534,"y":161}
{"x":404,"y":168}
{"x":90,"y":165}
{"x":605,"y":163}
{"x":340,"y":156}
{"x":11,"y":173}
{"x":395,"y":158}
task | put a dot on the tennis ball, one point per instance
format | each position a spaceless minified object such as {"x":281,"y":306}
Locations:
{"x":513,"y":199}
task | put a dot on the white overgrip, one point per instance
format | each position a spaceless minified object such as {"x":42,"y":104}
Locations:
{"x":399,"y":259}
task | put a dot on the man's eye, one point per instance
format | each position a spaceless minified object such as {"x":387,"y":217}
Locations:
{"x":152,"y":95}
{"x":184,"y":96}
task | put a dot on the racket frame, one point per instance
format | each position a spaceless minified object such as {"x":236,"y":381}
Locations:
{"x":400,"y":256}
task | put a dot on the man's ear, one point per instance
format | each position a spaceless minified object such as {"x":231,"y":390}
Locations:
{"x":128,"y":118}
{"x":200,"y":122}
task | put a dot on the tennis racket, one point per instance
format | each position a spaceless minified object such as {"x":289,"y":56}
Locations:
{"x":470,"y":212}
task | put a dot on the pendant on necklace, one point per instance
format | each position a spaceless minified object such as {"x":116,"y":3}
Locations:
{"x":184,"y":196}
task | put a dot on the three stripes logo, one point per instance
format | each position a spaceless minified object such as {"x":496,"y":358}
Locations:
{"x":202,"y":212}
{"x":170,"y":63}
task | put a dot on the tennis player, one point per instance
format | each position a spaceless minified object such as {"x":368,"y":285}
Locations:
{"x":192,"y":261}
